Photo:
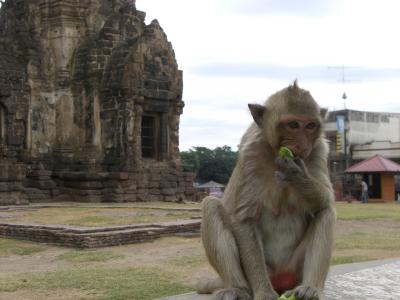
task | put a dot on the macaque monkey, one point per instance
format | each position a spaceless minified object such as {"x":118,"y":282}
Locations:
{"x":272,"y":232}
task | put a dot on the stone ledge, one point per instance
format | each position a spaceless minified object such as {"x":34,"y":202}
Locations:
{"x":96,"y":237}
{"x":370,"y":280}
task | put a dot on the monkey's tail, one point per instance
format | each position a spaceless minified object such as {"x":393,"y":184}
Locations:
{"x":208,"y":286}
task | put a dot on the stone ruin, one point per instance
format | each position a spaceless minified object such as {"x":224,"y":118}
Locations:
{"x":90,"y":101}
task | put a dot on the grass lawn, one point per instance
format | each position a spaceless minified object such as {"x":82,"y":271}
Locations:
{"x":164,"y":267}
{"x":366,"y":232}
{"x":99,"y":283}
{"x":359,"y":211}
{"x":88,"y":216}
{"x":13,"y":247}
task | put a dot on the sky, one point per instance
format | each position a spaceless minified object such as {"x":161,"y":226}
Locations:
{"x":235,"y":52}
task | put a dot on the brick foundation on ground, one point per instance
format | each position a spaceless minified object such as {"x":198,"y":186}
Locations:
{"x":97,"y":237}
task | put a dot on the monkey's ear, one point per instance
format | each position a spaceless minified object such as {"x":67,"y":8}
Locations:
{"x":324,"y":113}
{"x":257,"y":111}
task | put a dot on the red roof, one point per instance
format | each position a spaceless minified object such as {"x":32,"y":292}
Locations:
{"x":376,"y":163}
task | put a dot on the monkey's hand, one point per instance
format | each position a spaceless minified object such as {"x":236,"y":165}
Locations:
{"x":314,"y":190}
{"x":290,"y":170}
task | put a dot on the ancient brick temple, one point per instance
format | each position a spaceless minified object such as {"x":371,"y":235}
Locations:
{"x":90,"y":100}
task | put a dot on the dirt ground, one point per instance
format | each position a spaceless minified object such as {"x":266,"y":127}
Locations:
{"x":165,"y":250}
{"x":182,"y":256}
{"x":367,"y":226}
{"x":162,"y":254}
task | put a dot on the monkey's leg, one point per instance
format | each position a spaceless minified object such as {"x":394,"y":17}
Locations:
{"x":222,"y":251}
{"x":253,"y":260}
{"x":317,"y":248}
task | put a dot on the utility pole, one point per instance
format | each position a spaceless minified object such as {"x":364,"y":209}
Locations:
{"x":344,"y":97}
{"x":343,"y":80}
{"x":344,"y":162}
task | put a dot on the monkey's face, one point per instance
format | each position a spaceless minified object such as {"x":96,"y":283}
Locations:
{"x":290,"y":118}
{"x":298,"y":133}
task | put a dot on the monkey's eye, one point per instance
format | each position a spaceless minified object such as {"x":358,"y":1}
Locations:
{"x":311,"y":125}
{"x":293,"y":124}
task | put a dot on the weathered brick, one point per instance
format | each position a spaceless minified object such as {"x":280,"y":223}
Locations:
{"x":115,"y":75}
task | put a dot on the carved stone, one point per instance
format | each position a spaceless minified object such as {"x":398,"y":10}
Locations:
{"x":90,"y":101}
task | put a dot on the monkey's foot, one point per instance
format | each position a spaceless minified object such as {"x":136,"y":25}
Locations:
{"x":283,"y":297}
{"x":232,"y":294}
{"x":303,"y":292}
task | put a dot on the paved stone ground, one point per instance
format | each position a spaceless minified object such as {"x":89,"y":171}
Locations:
{"x":375,"y":280}
{"x":381,"y":282}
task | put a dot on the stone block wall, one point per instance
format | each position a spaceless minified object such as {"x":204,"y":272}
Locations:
{"x":97,"y":237}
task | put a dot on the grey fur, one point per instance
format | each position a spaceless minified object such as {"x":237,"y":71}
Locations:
{"x":254,"y":231}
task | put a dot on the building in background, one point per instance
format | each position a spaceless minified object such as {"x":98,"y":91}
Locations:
{"x":90,"y":104}
{"x":211,"y":188}
{"x":378,"y":175}
{"x":358,"y":135}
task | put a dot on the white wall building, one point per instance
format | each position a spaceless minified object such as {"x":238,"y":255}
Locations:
{"x":365,"y":134}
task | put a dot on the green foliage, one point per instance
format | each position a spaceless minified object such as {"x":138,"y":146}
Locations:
{"x":115,"y":284}
{"x":82,"y":256}
{"x":216,"y":165}
{"x":190,"y":161}
{"x":13,"y":247}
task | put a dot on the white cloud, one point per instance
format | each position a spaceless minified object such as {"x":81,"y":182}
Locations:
{"x":253,"y":37}
{"x":279,"y":7}
{"x":268,"y":42}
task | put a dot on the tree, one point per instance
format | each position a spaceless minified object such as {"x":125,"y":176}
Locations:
{"x":190,"y":161}
{"x":225,"y":160}
{"x":216,"y":165}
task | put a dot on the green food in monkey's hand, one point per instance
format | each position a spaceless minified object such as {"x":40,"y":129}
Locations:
{"x":285,"y":152}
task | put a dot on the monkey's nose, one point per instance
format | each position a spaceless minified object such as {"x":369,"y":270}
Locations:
{"x":299,"y":151}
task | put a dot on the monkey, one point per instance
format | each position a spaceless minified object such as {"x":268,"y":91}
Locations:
{"x":272,"y":231}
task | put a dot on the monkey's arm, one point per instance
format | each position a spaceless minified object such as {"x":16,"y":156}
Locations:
{"x":252,"y":259}
{"x":243,"y":200}
{"x":319,"y":248}
{"x":312,"y":183}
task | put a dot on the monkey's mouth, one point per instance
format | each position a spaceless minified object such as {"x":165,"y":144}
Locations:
{"x":289,"y":150}
{"x":296,"y":153}
{"x":302,"y":155}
